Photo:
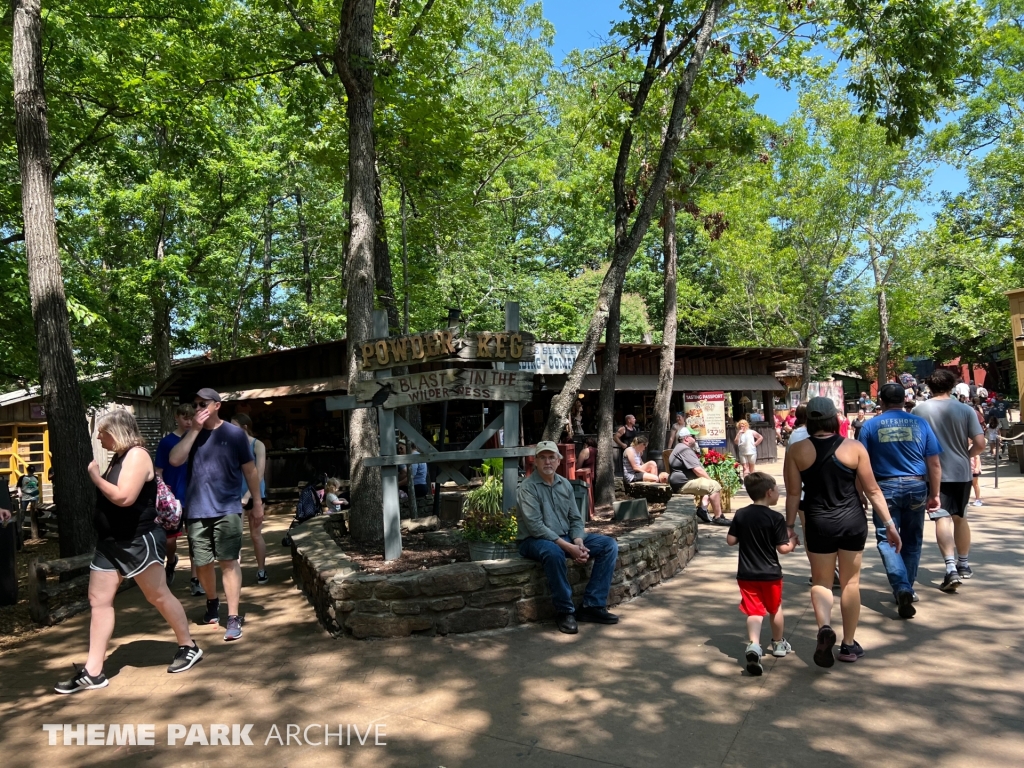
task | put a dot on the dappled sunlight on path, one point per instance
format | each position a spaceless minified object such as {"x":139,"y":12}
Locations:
{"x":666,"y":686}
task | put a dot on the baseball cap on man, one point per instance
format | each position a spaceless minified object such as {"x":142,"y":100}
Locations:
{"x":892,"y":393}
{"x":209,"y":394}
{"x":693,"y":432}
{"x":821,"y":408}
{"x":549,"y":445}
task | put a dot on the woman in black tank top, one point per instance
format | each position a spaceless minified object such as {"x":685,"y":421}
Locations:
{"x":129,"y":544}
{"x":828,"y":469}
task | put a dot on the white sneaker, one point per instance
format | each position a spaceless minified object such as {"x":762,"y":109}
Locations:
{"x":977,"y":503}
{"x":780,"y":648}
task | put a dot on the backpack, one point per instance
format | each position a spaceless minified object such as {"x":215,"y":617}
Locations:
{"x":168,"y":508}
{"x":309,"y":504}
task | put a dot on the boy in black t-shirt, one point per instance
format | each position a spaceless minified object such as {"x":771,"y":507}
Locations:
{"x":761,"y":533}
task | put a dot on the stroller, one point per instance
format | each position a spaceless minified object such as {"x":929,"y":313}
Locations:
{"x":310,"y":505}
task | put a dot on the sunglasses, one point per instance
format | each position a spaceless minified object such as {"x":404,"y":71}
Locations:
{"x":202,"y":405}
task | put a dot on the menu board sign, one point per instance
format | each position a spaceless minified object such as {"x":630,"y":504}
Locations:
{"x":705,"y":412}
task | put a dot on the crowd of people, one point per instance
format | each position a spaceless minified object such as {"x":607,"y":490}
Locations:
{"x":904,"y":465}
{"x":903,"y":458}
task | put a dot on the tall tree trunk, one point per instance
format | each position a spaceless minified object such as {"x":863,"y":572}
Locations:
{"x":268,"y":256}
{"x":354,"y":63}
{"x":73,"y":492}
{"x":162,"y":326}
{"x":667,"y":369}
{"x":307,"y":277}
{"x":604,"y":482}
{"x":805,"y":370}
{"x":382,"y":256}
{"x":883,"y":318}
{"x":628,"y":237}
{"x":405,"y":269}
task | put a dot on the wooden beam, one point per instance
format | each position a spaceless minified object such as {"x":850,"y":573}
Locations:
{"x":457,"y":457}
{"x":483,"y":384}
{"x":489,"y":431}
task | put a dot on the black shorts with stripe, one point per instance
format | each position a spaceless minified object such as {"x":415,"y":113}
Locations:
{"x":130,"y":558}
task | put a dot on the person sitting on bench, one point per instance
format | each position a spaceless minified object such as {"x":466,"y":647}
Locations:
{"x":633,"y":468}
{"x":689,"y":477}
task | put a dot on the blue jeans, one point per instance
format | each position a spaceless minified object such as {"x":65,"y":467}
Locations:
{"x":906,"y":500}
{"x":604,"y":553}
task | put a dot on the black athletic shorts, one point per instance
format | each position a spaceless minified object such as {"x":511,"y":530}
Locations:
{"x":953,"y":497}
{"x":822,"y":544}
{"x":133,"y":557}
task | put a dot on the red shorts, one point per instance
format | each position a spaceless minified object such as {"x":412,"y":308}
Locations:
{"x":760,"y":597}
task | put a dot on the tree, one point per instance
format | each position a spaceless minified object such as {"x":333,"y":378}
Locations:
{"x":69,"y":437}
{"x":667,"y":366}
{"x":354,"y":59}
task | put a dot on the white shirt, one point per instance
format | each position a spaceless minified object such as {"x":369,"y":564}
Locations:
{"x":962,"y":389}
{"x":982,"y":393}
{"x":798,"y":434}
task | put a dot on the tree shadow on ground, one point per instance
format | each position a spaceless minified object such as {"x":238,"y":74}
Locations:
{"x":665,"y":686}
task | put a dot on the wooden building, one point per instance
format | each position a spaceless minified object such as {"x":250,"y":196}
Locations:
{"x":25,"y":434}
{"x":286,"y":394}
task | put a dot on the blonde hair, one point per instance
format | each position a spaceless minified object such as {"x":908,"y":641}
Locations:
{"x":742,"y":423}
{"x":640,"y":440}
{"x":185,"y":410}
{"x":332,"y":485}
{"x":123,"y":430}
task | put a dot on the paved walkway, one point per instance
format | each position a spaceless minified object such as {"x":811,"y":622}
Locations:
{"x":664,"y":687}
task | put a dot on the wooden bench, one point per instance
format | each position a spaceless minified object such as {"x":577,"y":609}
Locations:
{"x":40,"y":592}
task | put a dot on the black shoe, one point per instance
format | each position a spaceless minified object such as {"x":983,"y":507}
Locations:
{"x":823,"y":650}
{"x":82,"y":681}
{"x":185,"y":658}
{"x":723,"y":520}
{"x":703,"y":515}
{"x":172,"y":562}
{"x":566,"y":623}
{"x":596,"y":614}
{"x":951,"y":582}
{"x":196,"y":587}
{"x":262,"y":577}
{"x":212,"y":612}
{"x":905,"y":601}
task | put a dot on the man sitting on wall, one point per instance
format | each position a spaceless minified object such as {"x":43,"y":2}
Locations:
{"x":689,"y":477}
{"x":551,"y":529}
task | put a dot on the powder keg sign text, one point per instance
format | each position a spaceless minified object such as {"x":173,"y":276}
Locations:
{"x":507,"y":346}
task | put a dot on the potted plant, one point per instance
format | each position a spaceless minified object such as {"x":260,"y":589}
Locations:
{"x":723,"y":468}
{"x":490,"y":532}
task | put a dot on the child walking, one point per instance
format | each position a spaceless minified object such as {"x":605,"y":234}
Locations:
{"x":761,"y":533}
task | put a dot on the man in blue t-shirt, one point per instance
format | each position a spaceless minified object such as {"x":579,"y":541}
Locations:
{"x":177,"y":480}
{"x":219,"y":457}
{"x":904,"y":452}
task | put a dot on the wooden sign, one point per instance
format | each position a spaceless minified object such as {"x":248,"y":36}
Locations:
{"x":507,"y":346}
{"x":451,"y":384}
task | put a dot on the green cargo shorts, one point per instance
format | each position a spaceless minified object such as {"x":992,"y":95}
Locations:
{"x":214,"y":539}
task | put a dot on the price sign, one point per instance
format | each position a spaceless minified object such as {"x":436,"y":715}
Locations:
{"x":705,"y":412}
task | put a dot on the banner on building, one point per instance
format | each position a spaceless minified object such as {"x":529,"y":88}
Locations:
{"x":705,"y":412}
{"x":833,"y":390}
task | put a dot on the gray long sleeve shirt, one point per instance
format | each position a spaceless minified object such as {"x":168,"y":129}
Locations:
{"x":548,"y":511}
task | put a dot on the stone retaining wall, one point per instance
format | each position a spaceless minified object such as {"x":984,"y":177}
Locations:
{"x":469,"y":597}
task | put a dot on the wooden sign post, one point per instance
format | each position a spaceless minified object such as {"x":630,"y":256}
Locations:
{"x":504,"y":384}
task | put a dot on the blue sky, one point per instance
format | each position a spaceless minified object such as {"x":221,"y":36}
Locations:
{"x":585,"y":23}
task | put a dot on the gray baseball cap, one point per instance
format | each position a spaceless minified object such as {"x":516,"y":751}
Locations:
{"x":821,"y":408}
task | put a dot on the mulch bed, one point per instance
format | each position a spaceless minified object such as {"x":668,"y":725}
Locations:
{"x":15,"y":622}
{"x":417,"y":555}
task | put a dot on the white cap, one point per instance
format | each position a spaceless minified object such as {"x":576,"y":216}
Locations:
{"x":549,"y":445}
